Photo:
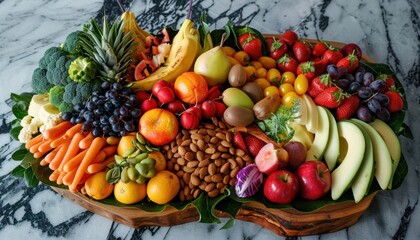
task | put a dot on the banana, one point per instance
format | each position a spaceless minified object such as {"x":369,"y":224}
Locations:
{"x":137,"y":33}
{"x":36,"y":104}
{"x":184,"y":50}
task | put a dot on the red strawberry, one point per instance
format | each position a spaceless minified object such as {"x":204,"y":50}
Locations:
{"x":269,"y":41}
{"x":254,"y":144}
{"x":348,"y":108}
{"x":395,"y":101}
{"x":287,"y":63}
{"x":277,"y":49}
{"x":250,"y":43}
{"x":306,"y":68}
{"x":289,"y":37}
{"x":302,"y":51}
{"x":318,"y":85}
{"x":332,"y":56}
{"x":331,"y":97}
{"x":320,"y":65}
{"x":350,"y":62}
{"x":390,"y":82}
{"x":238,"y":141}
{"x":319,"y":49}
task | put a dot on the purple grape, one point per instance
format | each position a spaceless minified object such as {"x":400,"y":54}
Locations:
{"x":382,"y":99}
{"x":358,"y":77}
{"x":364,"y":92}
{"x":378,"y":86}
{"x":86,"y":126}
{"x":383,"y":114}
{"x":96,"y":131}
{"x":367,"y":78}
{"x":374,"y":106}
{"x":361,"y":70}
{"x":343,"y":84}
{"x":342,"y":71}
{"x":354,"y":87}
{"x":350,"y":77}
{"x":364,"y":114}
{"x":332,"y":70}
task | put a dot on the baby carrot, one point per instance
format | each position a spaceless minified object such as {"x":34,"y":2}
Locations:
{"x":110,"y":150}
{"x":57,"y":142}
{"x":72,"y":150}
{"x":55,"y":163}
{"x":57,"y":131}
{"x":49,"y":157}
{"x":87,"y":141}
{"x":99,"y":157}
{"x":97,"y":167}
{"x":45,"y":146}
{"x":54,"y":175}
{"x":68,"y":178}
{"x":43,"y":162}
{"x":74,"y":162}
{"x":73,"y":130}
{"x":34,"y":141}
{"x":35,"y":147}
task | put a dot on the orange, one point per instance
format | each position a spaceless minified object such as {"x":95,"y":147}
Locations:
{"x":229,"y":51}
{"x":97,"y":187}
{"x":191,"y":87}
{"x":242,"y":57}
{"x":160,"y":160}
{"x":130,"y":192}
{"x":163,"y":187}
{"x":126,"y":142}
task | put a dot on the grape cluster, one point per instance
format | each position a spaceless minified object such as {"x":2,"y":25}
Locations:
{"x":370,"y":91}
{"x":112,"y":111}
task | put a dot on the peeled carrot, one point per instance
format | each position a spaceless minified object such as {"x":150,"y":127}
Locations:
{"x":39,"y":154}
{"x":34,"y":141}
{"x":100,"y":157}
{"x":72,"y":150}
{"x":43,"y":162}
{"x":87,"y":141}
{"x":110,"y":150}
{"x":68,"y":178}
{"x":94,"y":149}
{"x":35,"y":147}
{"x":73,"y":130}
{"x":57,"y":131}
{"x":74,"y":162}
{"x":97,"y":167}
{"x":55,"y":162}
{"x":45,"y":146}
{"x":60,"y":178}
{"x":57,"y":142}
{"x":54,"y":175}
{"x":50,"y":156}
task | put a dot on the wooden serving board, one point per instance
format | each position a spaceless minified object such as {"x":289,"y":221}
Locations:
{"x":285,"y":222}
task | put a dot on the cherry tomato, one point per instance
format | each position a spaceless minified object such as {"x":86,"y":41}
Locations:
{"x":229,"y":51}
{"x":288,"y":77}
{"x":242,"y":57}
{"x":256,"y":64}
{"x":261,"y":72}
{"x":286,"y":88}
{"x":267,"y":62}
{"x":301,"y":84}
{"x":274,"y":76}
{"x":271,"y":91}
{"x":262,"y":82}
{"x":251,"y":73}
{"x":289,"y":99}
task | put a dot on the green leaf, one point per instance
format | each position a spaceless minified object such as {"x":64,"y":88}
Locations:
{"x":406,"y":132}
{"x":20,"y":109}
{"x":400,"y":173}
{"x":18,"y":171}
{"x":14,"y":132}
{"x":42,"y":173}
{"x":28,"y":160}
{"x":30,"y":178}
{"x":26,"y":97}
{"x":19,"y":154}
{"x":16,"y":123}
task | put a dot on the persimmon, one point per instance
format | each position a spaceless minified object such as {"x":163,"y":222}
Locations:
{"x":191,"y":88}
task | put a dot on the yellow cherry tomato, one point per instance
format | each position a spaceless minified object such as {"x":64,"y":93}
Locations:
{"x":262,"y":82}
{"x":288,"y":77}
{"x":286,"y":88}
{"x":274,"y":76}
{"x":233,"y":61}
{"x":229,"y":51}
{"x":288,"y":99}
{"x":251,"y":73}
{"x":242,"y":57}
{"x":261,"y":72}
{"x":267,"y":62}
{"x":256,"y":64}
{"x":301,"y":84}
{"x":270,"y":91}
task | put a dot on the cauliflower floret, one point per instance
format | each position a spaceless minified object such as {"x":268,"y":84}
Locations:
{"x":52,"y":120}
{"x":32,"y":128}
{"x":42,"y":128}
{"x":26,"y":121}
{"x":24,"y":135}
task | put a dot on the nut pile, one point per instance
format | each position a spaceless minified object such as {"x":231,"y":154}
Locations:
{"x":204,"y":159}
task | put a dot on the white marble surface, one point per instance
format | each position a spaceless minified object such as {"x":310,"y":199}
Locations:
{"x":388,"y":31}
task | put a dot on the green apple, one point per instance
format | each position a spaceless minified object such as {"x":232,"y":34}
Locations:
{"x":364,"y":178}
{"x":391,"y":141}
{"x":333,"y":147}
{"x":352,"y":151}
{"x":303,"y":112}
{"x":316,"y":152}
{"x":383,"y":161}
{"x":312,"y":121}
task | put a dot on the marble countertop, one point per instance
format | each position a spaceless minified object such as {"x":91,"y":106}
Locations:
{"x":388,"y":31}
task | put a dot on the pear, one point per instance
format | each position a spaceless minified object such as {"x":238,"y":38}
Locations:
{"x":213,"y":65}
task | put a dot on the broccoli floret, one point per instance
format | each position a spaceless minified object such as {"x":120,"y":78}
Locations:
{"x":82,"y":69}
{"x":52,"y":54}
{"x":40,"y":84}
{"x":69,"y":92}
{"x":72,"y":43}
{"x":57,"y":73}
{"x":65,"y":107}
{"x":56,"y":95}
{"x":76,"y":93}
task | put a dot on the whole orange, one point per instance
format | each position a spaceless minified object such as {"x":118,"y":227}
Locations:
{"x":191,"y":88}
{"x":160,"y":160}
{"x":163,"y":187}
{"x":126,"y":143}
{"x":130,"y":192}
{"x":97,"y":187}
{"x":158,"y":126}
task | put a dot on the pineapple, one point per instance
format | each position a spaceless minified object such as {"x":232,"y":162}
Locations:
{"x":110,"y":47}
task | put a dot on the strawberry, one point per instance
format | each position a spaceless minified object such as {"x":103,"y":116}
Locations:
{"x":349,"y":62}
{"x":306,"y":68}
{"x":320,"y":65}
{"x":287,"y":63}
{"x":348,"y":108}
{"x":332,"y":56}
{"x":289,"y":37}
{"x":301,"y":51}
{"x":319,"y":49}
{"x":318,"y":85}
{"x":331,"y":97}
{"x":254,"y":144}
{"x":395,"y":101}
{"x":277,"y":49}
{"x":250,"y":43}
{"x":238,"y":141}
{"x":390,"y":82}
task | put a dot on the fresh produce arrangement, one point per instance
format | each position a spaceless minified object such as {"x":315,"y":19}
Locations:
{"x":207,"y":118}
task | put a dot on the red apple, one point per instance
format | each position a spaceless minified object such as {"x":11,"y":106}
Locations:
{"x":208,"y":109}
{"x":176,"y":106}
{"x":158,"y":85}
{"x":349,"y":48}
{"x":297,"y":154}
{"x":314,"y":179}
{"x":270,"y":158}
{"x":165,"y":95}
{"x":281,"y":187}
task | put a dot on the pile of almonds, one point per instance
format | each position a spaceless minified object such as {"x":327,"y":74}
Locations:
{"x":204,"y":159}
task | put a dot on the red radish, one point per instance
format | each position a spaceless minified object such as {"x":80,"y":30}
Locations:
{"x":270,"y":158}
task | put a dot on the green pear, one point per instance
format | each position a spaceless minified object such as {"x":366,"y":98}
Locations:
{"x":213,"y":65}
